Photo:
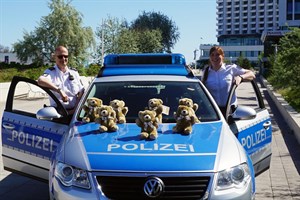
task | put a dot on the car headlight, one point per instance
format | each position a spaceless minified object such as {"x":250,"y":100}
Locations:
{"x":237,"y":177}
{"x":69,"y":176}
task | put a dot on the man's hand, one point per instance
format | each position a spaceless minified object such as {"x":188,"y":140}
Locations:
{"x":63,"y":95}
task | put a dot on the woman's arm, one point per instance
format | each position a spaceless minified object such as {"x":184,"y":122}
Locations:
{"x":247,"y":76}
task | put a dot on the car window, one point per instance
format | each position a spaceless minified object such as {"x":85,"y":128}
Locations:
{"x":137,"y":93}
{"x":28,"y":99}
{"x":246,"y":96}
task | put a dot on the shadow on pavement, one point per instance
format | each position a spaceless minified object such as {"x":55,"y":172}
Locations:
{"x":15,"y":187}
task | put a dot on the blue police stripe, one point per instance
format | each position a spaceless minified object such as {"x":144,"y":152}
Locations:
{"x":118,"y":70}
{"x":124,"y":150}
{"x":152,"y":163}
{"x":255,"y":137}
{"x":30,"y":140}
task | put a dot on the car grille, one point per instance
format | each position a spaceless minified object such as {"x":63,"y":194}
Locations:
{"x":133,"y":187}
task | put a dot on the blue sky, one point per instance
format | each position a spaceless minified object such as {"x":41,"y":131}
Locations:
{"x":195,"y":19}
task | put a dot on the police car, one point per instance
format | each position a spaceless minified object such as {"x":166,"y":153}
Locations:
{"x":218,"y":160}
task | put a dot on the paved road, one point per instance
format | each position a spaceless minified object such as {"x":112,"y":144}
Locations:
{"x":281,"y":181}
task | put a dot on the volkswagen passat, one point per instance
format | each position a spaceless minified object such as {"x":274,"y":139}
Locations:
{"x":218,"y":160}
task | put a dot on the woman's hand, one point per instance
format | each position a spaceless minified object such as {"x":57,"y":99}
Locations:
{"x":238,"y":79}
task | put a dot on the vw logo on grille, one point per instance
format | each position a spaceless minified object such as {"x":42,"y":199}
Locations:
{"x":153,"y":187}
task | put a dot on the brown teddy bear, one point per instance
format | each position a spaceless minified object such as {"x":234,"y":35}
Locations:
{"x":120,"y":109}
{"x":156,"y":105}
{"x":188,"y":102}
{"x":148,"y":122}
{"x":107,"y":119}
{"x":90,"y":109}
{"x":185,"y":119}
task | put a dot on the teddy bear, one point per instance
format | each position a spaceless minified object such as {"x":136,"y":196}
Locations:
{"x":148,"y":122}
{"x":120,"y":109}
{"x":185,"y":119}
{"x":156,"y":105}
{"x":188,"y":102}
{"x":107,"y":119}
{"x":90,"y":109}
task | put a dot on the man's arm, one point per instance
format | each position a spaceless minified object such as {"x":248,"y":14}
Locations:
{"x":45,"y":82}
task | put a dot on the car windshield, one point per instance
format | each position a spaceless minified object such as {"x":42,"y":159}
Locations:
{"x":136,"y":94}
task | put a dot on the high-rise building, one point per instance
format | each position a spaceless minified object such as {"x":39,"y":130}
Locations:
{"x":244,"y":27}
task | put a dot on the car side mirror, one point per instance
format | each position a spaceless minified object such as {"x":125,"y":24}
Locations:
{"x":48,"y":113}
{"x":243,"y":113}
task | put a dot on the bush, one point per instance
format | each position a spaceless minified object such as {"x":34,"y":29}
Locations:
{"x":92,"y":70}
{"x":8,"y":71}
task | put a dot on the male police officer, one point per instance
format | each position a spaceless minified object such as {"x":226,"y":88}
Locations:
{"x":63,"y":80}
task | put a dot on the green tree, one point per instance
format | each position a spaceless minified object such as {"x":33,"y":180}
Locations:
{"x":127,"y":42}
{"x":244,"y":62}
{"x":131,"y":41}
{"x":4,"y":49}
{"x":158,"y":21}
{"x":108,"y":34}
{"x":116,"y":37}
{"x":285,"y":73}
{"x":149,"y":41}
{"x":63,"y":26}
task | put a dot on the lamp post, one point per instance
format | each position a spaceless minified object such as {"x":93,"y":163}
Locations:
{"x":200,"y":48}
{"x":195,"y":56}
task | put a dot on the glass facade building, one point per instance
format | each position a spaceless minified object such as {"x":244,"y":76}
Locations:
{"x":249,"y":27}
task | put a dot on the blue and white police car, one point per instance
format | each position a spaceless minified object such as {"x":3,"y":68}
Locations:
{"x":218,"y":160}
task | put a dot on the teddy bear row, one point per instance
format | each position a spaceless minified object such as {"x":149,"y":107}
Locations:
{"x":108,"y":116}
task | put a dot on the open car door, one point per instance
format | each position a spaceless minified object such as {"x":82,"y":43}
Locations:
{"x":27,"y":141}
{"x":251,"y":123}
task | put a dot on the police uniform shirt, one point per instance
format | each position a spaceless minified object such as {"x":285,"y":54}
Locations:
{"x":219,"y":82}
{"x":68,"y":81}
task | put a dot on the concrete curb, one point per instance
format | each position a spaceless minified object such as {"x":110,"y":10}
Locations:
{"x":292,"y":117}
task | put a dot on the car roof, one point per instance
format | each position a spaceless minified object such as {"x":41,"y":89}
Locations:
{"x":146,"y":78}
{"x":145,"y":64}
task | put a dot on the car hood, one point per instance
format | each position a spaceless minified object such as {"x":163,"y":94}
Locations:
{"x":125,"y":151}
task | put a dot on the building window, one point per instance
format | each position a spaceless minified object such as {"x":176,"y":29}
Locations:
{"x":297,"y":9}
{"x":289,"y":9}
{"x":6,"y":59}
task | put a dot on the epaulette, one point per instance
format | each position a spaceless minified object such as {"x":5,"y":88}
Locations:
{"x":51,"y":68}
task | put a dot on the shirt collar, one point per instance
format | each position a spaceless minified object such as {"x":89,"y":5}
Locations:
{"x":57,"y":68}
{"x":223,"y":67}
